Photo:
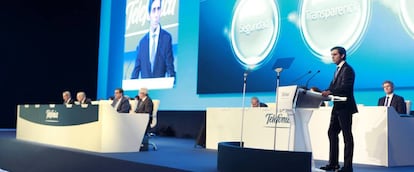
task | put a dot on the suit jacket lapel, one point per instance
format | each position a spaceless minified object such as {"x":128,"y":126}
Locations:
{"x":392,"y":100}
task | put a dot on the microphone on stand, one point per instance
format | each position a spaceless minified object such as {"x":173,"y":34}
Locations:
{"x":301,"y":77}
{"x":245,"y":75}
{"x":307,"y":82}
{"x":243,"y":106}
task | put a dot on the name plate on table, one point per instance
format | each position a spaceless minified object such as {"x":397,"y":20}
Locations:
{"x":59,"y":115}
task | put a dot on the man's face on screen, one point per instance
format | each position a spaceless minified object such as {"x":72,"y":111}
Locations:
{"x":388,"y":88}
{"x":155,"y":14}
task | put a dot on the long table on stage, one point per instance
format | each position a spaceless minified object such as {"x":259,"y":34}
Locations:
{"x":381,"y":135}
{"x":97,"y":128}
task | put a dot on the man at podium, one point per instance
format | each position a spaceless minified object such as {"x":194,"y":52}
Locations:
{"x":341,"y":116}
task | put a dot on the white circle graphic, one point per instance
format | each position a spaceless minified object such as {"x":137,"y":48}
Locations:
{"x":326,"y":23}
{"x":254,"y":31}
{"x":407,"y":16}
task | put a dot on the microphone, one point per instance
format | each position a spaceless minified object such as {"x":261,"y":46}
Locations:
{"x":307,"y":82}
{"x":301,"y":77}
{"x":245,"y":75}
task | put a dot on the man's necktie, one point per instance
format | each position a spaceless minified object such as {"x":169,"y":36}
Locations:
{"x":336,"y":72}
{"x":386,"y":101}
{"x":139,"y":104}
{"x":153,"y":52}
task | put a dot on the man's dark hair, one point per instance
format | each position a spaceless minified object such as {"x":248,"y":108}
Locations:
{"x":388,"y":82}
{"x":341,"y":50}
{"x":120,"y":90}
{"x":150,"y":4}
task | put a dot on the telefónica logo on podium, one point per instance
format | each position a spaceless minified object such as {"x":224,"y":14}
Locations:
{"x":52,"y":115}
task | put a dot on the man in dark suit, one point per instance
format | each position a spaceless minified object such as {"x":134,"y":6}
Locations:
{"x":120,"y":102}
{"x":145,"y":105}
{"x":155,"y":55}
{"x":82,"y":99}
{"x":256,"y":103}
{"x":391,"y":99}
{"x":342,"y":111}
{"x":67,"y":98}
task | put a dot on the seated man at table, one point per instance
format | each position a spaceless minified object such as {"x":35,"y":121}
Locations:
{"x":67,"y":99}
{"x":120,"y":102}
{"x":145,"y":105}
{"x":82,"y":99}
{"x":256,"y":103}
{"x":391,"y":99}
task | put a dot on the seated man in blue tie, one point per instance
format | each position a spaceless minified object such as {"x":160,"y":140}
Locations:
{"x":120,"y":102}
{"x":391,"y":99}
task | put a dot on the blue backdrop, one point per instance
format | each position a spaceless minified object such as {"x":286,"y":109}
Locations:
{"x":384,"y":53}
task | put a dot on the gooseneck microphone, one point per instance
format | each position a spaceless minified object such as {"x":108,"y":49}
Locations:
{"x":307,"y":82}
{"x":301,"y":77}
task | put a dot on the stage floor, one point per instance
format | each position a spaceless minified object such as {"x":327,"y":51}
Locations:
{"x":175,"y":153}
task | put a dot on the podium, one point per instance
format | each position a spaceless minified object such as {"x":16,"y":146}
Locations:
{"x":97,"y":128}
{"x":298,"y":104}
{"x":279,"y":136}
{"x":382,"y":135}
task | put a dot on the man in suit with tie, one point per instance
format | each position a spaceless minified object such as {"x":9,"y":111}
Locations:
{"x":120,"y":102}
{"x":82,"y":99}
{"x":391,"y":99}
{"x":145,"y":105}
{"x":255,"y":102}
{"x":155,"y":55}
{"x":67,"y":98}
{"x":342,"y":111}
